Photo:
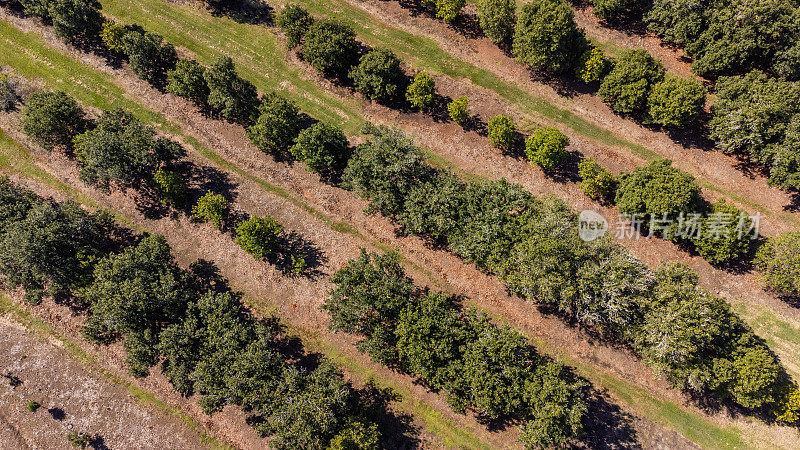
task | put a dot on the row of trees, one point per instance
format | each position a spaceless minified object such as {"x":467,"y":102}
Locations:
{"x":198,"y":330}
{"x":533,"y":245}
{"x":482,"y":367}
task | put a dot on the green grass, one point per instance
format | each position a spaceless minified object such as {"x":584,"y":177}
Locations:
{"x":162,"y":21}
{"x":44,"y":330}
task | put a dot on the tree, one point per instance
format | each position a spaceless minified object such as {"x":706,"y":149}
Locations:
{"x":546,"y":36}
{"x":458,"y":110}
{"x":150,"y":57}
{"x":448,"y":10}
{"x":723,"y":236}
{"x":52,"y":119}
{"x":502,"y":131}
{"x":295,"y":22}
{"x":112,"y":35}
{"x":497,"y":19}
{"x":432,"y":208}
{"x":187,"y":80}
{"x":8,"y":92}
{"x":675,"y":101}
{"x":760,"y":116}
{"x":378,"y":76}
{"x":277,"y":126}
{"x":330,"y":47}
{"x":211,"y":207}
{"x":234,"y":97}
{"x":258,"y":236}
{"x":421,"y":93}
{"x":385,"y":169}
{"x":593,"y":65}
{"x":626,"y":88}
{"x":597,"y":182}
{"x":324,"y":149}
{"x":658,"y":189}
{"x":36,"y":8}
{"x":120,"y":150}
{"x":134,"y":294}
{"x":77,"y":21}
{"x":171,"y":186}
{"x":369,"y":296}
{"x":546,"y":148}
{"x":612,"y":10}
{"x":779,"y":263}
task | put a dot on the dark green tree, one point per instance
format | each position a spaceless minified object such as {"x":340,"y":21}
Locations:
{"x":547,"y":38}
{"x":258,"y":236}
{"x":277,"y":126}
{"x":378,"y":76}
{"x":150,"y":57}
{"x":626,"y":88}
{"x":52,"y":119}
{"x":77,"y":21}
{"x":779,"y":263}
{"x":675,"y":101}
{"x":330,"y":47}
{"x":170,"y":186}
{"x":658,"y":189}
{"x":295,"y":21}
{"x":234,"y":97}
{"x":597,"y":182}
{"x":324,"y":149}
{"x":497,"y":19}
{"x":723,"y":234}
{"x":187,"y":80}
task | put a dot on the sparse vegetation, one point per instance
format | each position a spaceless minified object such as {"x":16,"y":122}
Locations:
{"x":32,"y":406}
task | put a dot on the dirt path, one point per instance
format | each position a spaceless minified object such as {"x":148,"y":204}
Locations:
{"x":689,"y":152}
{"x":299,"y":299}
{"x":72,"y":398}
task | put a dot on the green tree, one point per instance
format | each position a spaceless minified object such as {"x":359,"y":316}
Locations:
{"x":234,"y":97}
{"x":675,"y":101}
{"x":658,"y":189}
{"x":170,"y":186}
{"x":37,"y":8}
{"x":295,"y":21}
{"x":597,"y":182}
{"x":52,"y":119}
{"x":330,"y":47}
{"x":626,"y":88}
{"x":385,"y":169}
{"x":258,"y":236}
{"x":277,"y":126}
{"x":120,"y":150}
{"x":421,"y":93}
{"x":432,"y":208}
{"x":77,"y":21}
{"x":324,"y":149}
{"x":497,"y":19}
{"x":458,"y":110}
{"x":149,"y":56}
{"x":547,"y":148}
{"x":779,"y":263}
{"x":378,"y":76}
{"x":112,"y":35}
{"x":502,"y":131}
{"x":211,"y":207}
{"x":593,"y":66}
{"x":369,"y":296}
{"x":134,"y":294}
{"x":546,"y":36}
{"x":723,"y":237}
{"x":187,"y":80}
{"x":448,"y":10}
{"x":613,"y":10}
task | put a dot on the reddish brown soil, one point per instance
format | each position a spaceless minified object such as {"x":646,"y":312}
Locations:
{"x":89,"y":403}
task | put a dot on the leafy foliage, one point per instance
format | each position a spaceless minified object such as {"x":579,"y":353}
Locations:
{"x":187,"y":80}
{"x":211,"y":207}
{"x":458,"y":110}
{"x":546,"y":37}
{"x":112,"y":35}
{"x":323,"y":148}
{"x":658,"y":189}
{"x":149,"y":56}
{"x":234,"y":97}
{"x":36,"y":8}
{"x":597,"y":182}
{"x":760,"y":117}
{"x":171,"y":186}
{"x":76,"y":21}
{"x":120,"y":150}
{"x":779,"y":263}
{"x":421,"y":93}
{"x":612,"y":10}
{"x":446,"y":10}
{"x":723,"y":237}
{"x":675,"y":101}
{"x":378,"y":76}
{"x":546,"y":148}
{"x":497,"y":19}
{"x":502,"y":130}
{"x":628,"y":85}
{"x":52,"y":118}
{"x":277,"y":126}
{"x":259,"y":236}
{"x":330,"y":47}
{"x":593,"y":66}
{"x":295,"y":22}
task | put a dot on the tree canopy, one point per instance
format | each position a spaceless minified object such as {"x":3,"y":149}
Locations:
{"x":52,"y":119}
{"x":546,"y":36}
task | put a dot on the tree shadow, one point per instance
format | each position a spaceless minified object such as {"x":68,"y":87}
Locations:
{"x":397,"y":429}
{"x":565,"y":84}
{"x":252,"y":12}
{"x":606,"y":426}
{"x":298,"y":256}
{"x":13,"y":380}
{"x":567,"y":172}
{"x":205,"y":178}
{"x":794,"y":201}
{"x":98,"y":443}
{"x":467,"y":25}
{"x":57,"y":413}
{"x":207,"y":277}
